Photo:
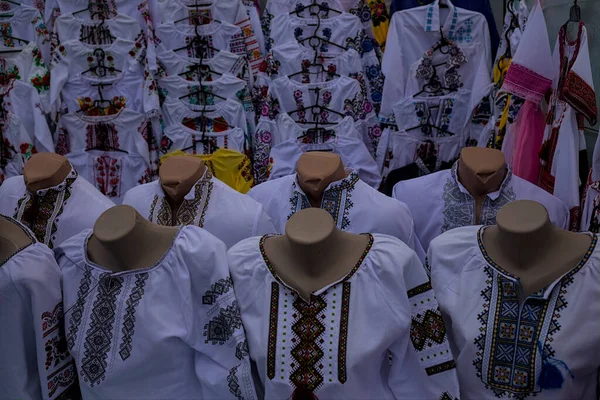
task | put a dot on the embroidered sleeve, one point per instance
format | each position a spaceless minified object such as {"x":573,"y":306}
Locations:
{"x":429,"y":337}
{"x":581,"y":96}
{"x":215,"y":328}
{"x":263,"y":141}
{"x":255,"y":57}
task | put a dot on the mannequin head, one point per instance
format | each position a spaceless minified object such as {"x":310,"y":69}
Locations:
{"x":115,"y":223}
{"x":44,"y":170}
{"x":481,"y":170}
{"x":522,"y":217}
{"x":309,"y":227}
{"x":316,"y":170}
{"x":178,"y":174}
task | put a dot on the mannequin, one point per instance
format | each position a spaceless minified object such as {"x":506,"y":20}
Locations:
{"x":12,"y":239}
{"x":316,"y":170}
{"x":481,"y":171}
{"x":178,"y":175}
{"x":313,"y":253}
{"x":124,"y":241}
{"x":45,"y":170}
{"x":525,"y":243}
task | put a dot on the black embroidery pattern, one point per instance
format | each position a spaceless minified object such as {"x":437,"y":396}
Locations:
{"x":427,"y":328}
{"x":129,"y":320}
{"x":217,"y":289}
{"x":99,"y":335}
{"x":233,"y":383}
{"x":242,"y":350}
{"x":77,"y":311}
{"x":220,"y":329}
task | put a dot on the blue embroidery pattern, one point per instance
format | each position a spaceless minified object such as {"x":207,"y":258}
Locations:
{"x":464,"y":35}
{"x":510,"y":355}
{"x":429,"y":18}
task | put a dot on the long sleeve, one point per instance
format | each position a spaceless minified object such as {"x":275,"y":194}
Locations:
{"x":395,"y":75}
{"x":263,"y":224}
{"x":215,"y":329}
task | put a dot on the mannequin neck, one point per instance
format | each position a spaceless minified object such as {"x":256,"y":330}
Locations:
{"x":178,"y":175}
{"x":480,"y":183}
{"x":46,"y":171}
{"x":314,"y":255}
{"x":316,"y":171}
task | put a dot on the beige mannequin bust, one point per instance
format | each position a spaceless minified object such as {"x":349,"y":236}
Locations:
{"x":123,"y":240}
{"x":313,"y":253}
{"x":481,"y":171}
{"x":12,"y":238}
{"x":526,"y":244}
{"x":44,"y":170}
{"x":178,"y":175}
{"x":316,"y":170}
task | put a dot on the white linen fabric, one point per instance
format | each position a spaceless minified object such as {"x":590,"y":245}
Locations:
{"x":35,"y":363}
{"x":543,"y":347}
{"x":414,"y":31}
{"x":62,"y":211}
{"x":383,"y":307}
{"x":231,"y":11}
{"x":210,"y":204}
{"x":352,"y":151}
{"x":355,"y":207}
{"x":169,"y":331}
{"x":439,"y":202}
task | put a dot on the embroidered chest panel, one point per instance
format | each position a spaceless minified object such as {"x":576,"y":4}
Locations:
{"x":515,"y":344}
{"x":107,"y":311}
{"x":191,"y":212}
{"x":337,"y":201}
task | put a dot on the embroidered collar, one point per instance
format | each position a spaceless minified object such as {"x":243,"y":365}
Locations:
{"x":347,"y":183}
{"x":206,"y":177}
{"x":432,"y":19}
{"x":494,"y":195}
{"x":456,"y":57}
{"x":545,"y":292}
{"x":61,"y":187}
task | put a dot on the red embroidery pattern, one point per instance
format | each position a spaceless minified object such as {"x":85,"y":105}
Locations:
{"x":102,"y":135}
{"x":107,"y":175}
{"x":581,"y":97}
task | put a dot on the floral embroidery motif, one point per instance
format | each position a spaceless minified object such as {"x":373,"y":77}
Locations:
{"x":99,"y":335}
{"x":300,"y":106}
{"x":222,"y":327}
{"x":376,"y":79}
{"x":7,"y":34}
{"x":55,"y":346}
{"x":132,"y":302}
{"x":379,"y":12}
{"x":459,"y":207}
{"x":509,"y":357}
{"x":456,"y":58}
{"x":107,"y":175}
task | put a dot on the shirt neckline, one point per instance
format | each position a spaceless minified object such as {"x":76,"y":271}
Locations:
{"x":432,"y":18}
{"x":62,"y":186}
{"x":493,"y":195}
{"x":349,"y":275}
{"x":545,"y":292}
{"x":206,"y":177}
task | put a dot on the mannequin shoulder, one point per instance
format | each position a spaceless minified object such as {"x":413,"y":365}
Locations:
{"x":388,"y":252}
{"x":141,"y":193}
{"x":454,"y":249}
{"x":71,"y":251}
{"x":13,"y":186}
{"x":192,"y":241}
{"x":420,"y":189}
{"x":272,"y":190}
{"x":245,"y":258}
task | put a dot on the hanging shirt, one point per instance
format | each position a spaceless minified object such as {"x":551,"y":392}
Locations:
{"x":21,"y":100}
{"x":190,"y":139}
{"x":35,"y":361}
{"x":181,"y":311}
{"x":481,"y":6}
{"x":223,"y":62}
{"x":25,"y":23}
{"x":413,"y":34}
{"x":231,"y":11}
{"x":38,"y":4}
{"x":54,"y":214}
{"x":230,"y":167}
{"x":505,"y":349}
{"x":210,"y":204}
{"x":95,"y":31}
{"x":347,"y":201}
{"x":449,"y":205}
{"x":17,"y":147}
{"x":27,"y":65}
{"x":573,"y":101}
{"x":387,"y":291}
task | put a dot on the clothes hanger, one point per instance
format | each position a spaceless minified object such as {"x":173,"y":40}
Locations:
{"x":314,"y":63}
{"x":100,"y":69}
{"x":315,"y":8}
{"x":201,"y":90}
{"x":195,"y":18}
{"x":99,"y":104}
{"x":103,"y":147}
{"x":97,"y":5}
{"x":99,"y":28}
{"x":319,"y":39}
{"x":199,"y":66}
{"x":317,"y":109}
{"x":428,"y":124}
{"x":198,"y":42}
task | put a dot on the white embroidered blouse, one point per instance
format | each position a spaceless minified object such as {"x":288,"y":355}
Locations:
{"x":439,"y":202}
{"x":545,"y":347}
{"x":169,"y":331}
{"x":210,"y":204}
{"x":35,"y":362}
{"x":339,"y":344}
{"x":355,"y":207}
{"x":58,"y":212}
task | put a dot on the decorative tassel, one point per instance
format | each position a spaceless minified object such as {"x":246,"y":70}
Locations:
{"x":303,"y":394}
{"x":551,"y":377}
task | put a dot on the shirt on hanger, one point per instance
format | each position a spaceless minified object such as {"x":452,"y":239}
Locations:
{"x":190,"y":138}
{"x":449,"y":205}
{"x":171,"y":330}
{"x":17,"y":147}
{"x":25,"y":23}
{"x":387,"y":291}
{"x":409,"y":56}
{"x":210,"y":204}
{"x":481,"y":6}
{"x":95,"y":31}
{"x":347,"y":201}
{"x":506,"y":347}
{"x":54,"y":214}
{"x":229,"y":166}
{"x":231,"y":11}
